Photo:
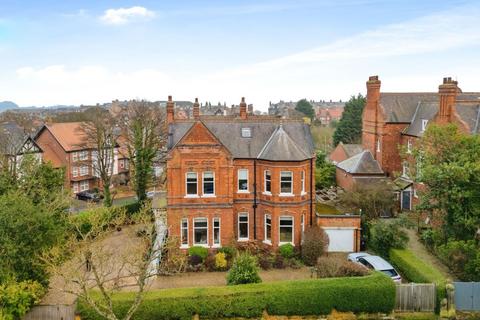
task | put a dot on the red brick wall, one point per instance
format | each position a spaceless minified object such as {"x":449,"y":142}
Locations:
{"x":338,"y":154}
{"x":343,"y":222}
{"x":344,"y":179}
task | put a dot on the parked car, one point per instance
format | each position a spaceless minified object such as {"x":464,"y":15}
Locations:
{"x":375,"y":263}
{"x":89,"y":196}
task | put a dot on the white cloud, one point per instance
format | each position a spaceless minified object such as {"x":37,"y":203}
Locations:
{"x":122,"y":16}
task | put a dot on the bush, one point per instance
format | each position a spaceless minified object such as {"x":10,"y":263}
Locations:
{"x":228,"y":251}
{"x":371,"y":294}
{"x":244,"y":270}
{"x":210,"y":263}
{"x":415,"y":270}
{"x":132,"y":208}
{"x":385,"y":235}
{"x":315,"y":244}
{"x":287,"y":250}
{"x":18,"y":297}
{"x":174,"y":260}
{"x":202,"y":252}
{"x":194,"y":260}
{"x":328,"y":267}
{"x":462,"y":258}
{"x":220,"y":261}
{"x":279,"y":262}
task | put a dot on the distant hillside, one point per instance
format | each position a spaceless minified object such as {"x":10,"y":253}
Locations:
{"x":5,"y":105}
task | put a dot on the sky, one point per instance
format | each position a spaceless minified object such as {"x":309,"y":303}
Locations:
{"x":86,"y":52}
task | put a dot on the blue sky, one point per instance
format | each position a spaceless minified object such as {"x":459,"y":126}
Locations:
{"x":74,"y":52}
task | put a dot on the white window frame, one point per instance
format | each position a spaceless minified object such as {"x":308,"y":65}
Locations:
{"x":216,"y":219}
{"x":405,"y":169}
{"x":238,"y":181}
{"x":82,"y":185}
{"x":76,"y":187}
{"x":246,"y":132}
{"x":182,"y":228}
{"x":424,"y":124}
{"x":74,"y":171}
{"x":187,"y":195}
{"x":265,"y":191}
{"x":265,"y":224}
{"x":203,"y":184}
{"x":243,"y":214}
{"x":378,"y":144}
{"x":83,"y":170}
{"x":286,"y":194}
{"x":83,"y":155}
{"x":194,"y":228}
{"x":279,"y":230}
{"x":74,"y":156}
{"x":302,"y":179}
{"x":409,"y":146}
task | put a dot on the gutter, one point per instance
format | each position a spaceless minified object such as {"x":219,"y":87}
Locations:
{"x":254,"y":199}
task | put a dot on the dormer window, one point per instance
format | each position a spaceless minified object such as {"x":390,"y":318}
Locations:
{"x":424,"y":124}
{"x":246,"y":132}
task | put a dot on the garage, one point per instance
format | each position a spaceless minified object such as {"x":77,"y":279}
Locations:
{"x":341,"y":239}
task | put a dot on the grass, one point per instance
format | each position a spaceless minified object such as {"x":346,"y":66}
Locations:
{"x":325,"y":209}
{"x":322,"y":135}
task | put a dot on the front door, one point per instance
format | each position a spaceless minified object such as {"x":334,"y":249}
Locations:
{"x":406,"y":200}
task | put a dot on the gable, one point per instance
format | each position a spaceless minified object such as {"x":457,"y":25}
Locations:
{"x":30,"y":147}
{"x":199,"y":135}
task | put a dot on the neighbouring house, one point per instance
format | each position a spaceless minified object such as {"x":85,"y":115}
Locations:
{"x":15,"y":143}
{"x":64,"y":146}
{"x":360,"y":169}
{"x":327,"y":115}
{"x":344,"y":151}
{"x":392,"y":123}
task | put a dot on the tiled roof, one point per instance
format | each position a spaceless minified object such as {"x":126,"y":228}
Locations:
{"x":228,"y":132}
{"x":281,"y":146}
{"x":362,"y":163}
{"x":69,"y":134}
{"x":352,"y":149}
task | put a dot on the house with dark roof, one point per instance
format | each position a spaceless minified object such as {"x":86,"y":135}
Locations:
{"x":392,"y":122}
{"x":238,"y":178}
{"x":359,"y":169}
{"x":344,"y":151}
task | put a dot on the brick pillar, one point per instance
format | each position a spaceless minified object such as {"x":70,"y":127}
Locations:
{"x":448,"y":96}
{"x":370,"y":115}
{"x":170,"y":110}
{"x":196,"y":110}
{"x":243,"y":109}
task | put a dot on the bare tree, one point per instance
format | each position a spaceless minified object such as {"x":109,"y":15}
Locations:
{"x":144,"y":128}
{"x":101,"y":135}
{"x":92,"y":266}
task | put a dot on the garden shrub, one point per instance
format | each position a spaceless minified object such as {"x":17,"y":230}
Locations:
{"x":132,"y":208}
{"x":287,"y":250}
{"x":202,"y":252}
{"x":279,"y":262}
{"x":385,"y":235}
{"x":220,"y":261}
{"x":315,"y":244}
{"x":416,"y":270}
{"x":244,"y":270}
{"x":174,"y":260}
{"x":329,"y":267}
{"x":210,"y":263}
{"x":462,"y":258}
{"x":194,"y":260}
{"x":374,"y":293}
{"x":16,"y":298}
{"x":228,"y":251}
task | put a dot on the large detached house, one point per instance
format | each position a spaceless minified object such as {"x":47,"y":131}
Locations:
{"x":238,"y":178}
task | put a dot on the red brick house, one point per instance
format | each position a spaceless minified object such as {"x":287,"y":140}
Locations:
{"x":63,"y":145}
{"x":357,"y":170}
{"x":393,"y":122}
{"x":344,"y":151}
{"x":238,"y":178}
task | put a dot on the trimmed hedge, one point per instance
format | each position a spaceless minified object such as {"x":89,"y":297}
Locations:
{"x":372,"y":294}
{"x":418,"y":271}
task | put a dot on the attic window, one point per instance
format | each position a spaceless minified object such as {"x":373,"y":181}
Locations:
{"x":246,"y":132}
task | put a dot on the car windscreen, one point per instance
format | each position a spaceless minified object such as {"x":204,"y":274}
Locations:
{"x":390,"y":272}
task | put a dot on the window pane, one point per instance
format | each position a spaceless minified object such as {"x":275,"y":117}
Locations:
{"x":191,"y":183}
{"x":200,"y":233}
{"x":243,"y":180}
{"x":243,"y":226}
{"x":243,"y":174}
{"x":184,"y":234}
{"x":208,"y":183}
{"x":286,"y":182}
{"x":286,"y":229}
{"x":268,"y":228}
{"x":216,"y":230}
{"x":268,"y":181}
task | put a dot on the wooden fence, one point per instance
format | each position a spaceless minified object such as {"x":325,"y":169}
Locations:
{"x":51,"y":312}
{"x":415,"y":297}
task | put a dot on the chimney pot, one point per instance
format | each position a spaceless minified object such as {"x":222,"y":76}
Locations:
{"x":169,"y":98}
{"x":243,"y":109}
{"x":170,"y":110}
{"x":196,"y":110}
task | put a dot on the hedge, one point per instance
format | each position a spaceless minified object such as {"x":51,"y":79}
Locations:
{"x":372,"y":294}
{"x":418,"y":271}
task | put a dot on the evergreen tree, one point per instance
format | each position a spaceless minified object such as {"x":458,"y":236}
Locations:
{"x":349,"y":128}
{"x":306,"y":108}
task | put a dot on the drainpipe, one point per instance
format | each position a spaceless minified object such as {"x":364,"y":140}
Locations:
{"x":255,"y":199}
{"x":311,"y":192}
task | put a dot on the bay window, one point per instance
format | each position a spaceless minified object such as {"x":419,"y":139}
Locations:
{"x":286,"y":229}
{"x":286,"y":182}
{"x":200,"y":231}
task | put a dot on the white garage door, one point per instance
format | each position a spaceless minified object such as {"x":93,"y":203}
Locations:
{"x":341,"y":240}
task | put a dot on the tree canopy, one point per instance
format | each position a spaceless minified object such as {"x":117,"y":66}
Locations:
{"x":349,"y":128}
{"x":306,"y":108}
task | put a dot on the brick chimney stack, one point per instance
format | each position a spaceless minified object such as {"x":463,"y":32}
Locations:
{"x":373,"y":89}
{"x":243,"y":109}
{"x":196,"y":110}
{"x":170,"y":110}
{"x":370,"y":136}
{"x":448,"y":95}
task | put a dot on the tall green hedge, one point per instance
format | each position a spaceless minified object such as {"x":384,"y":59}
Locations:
{"x":418,"y":271}
{"x":371,"y":294}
